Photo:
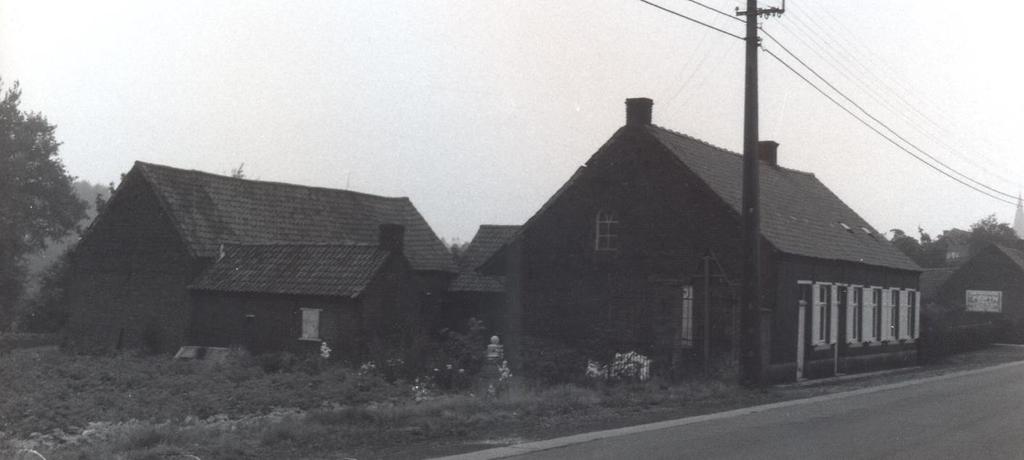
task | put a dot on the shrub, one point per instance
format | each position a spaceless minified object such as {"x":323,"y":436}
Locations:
{"x":551,"y":362}
{"x":466,"y":350}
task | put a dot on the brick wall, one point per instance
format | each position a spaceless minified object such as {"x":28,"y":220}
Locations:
{"x":129,"y":277}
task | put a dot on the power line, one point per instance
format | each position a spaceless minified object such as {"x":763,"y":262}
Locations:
{"x":898,"y":91}
{"x":880,"y":133}
{"x":846,"y":109}
{"x":675,"y":13}
{"x":876,"y":120}
{"x":716,"y":10}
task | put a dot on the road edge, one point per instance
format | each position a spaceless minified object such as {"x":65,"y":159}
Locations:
{"x":555,"y":443}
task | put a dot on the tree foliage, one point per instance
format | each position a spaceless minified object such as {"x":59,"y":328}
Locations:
{"x":988,"y":231}
{"x":955,"y":245}
{"x":39,"y":203}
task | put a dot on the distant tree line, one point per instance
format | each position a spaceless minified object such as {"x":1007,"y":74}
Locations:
{"x":954,"y":245}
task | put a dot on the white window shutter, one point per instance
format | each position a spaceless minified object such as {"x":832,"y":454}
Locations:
{"x":815,"y":312}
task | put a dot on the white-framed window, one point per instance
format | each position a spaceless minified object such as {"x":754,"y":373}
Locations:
{"x":855,"y":315}
{"x":686,"y":319}
{"x":606,"y":234}
{"x":823,"y":314}
{"x":892,"y":315}
{"x":876,"y":314}
{"x":310,"y":324}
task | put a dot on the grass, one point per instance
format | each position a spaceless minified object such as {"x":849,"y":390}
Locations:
{"x":139,"y":408}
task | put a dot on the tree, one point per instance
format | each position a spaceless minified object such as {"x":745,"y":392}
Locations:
{"x":989,"y":230}
{"x":39,"y":203}
{"x":239,"y":172}
{"x":908,"y":245}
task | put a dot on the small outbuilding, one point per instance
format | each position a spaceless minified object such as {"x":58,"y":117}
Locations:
{"x":294,"y":297}
{"x":985,"y":294}
{"x":473,"y":294}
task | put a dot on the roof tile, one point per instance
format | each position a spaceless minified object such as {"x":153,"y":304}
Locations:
{"x":210,"y":210}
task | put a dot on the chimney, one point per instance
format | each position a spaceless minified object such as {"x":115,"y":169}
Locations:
{"x":768,"y":152}
{"x":638,"y":111}
{"x":391,"y":237}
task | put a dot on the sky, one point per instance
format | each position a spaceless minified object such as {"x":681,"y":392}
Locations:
{"x":479,"y":110}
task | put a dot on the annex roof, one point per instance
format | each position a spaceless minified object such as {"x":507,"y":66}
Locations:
{"x":799,"y":214}
{"x":210,"y":210}
{"x":337,"y":270}
{"x":488,"y":239}
{"x":933,"y":279}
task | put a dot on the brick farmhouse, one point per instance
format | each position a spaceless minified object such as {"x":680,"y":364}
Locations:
{"x":640,"y":250}
{"x":182,"y":256}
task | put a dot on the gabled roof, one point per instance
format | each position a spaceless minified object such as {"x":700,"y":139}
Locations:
{"x":799,"y":214}
{"x":337,"y":270}
{"x":1015,"y":255}
{"x":932,"y":280}
{"x":488,"y":239}
{"x":209,"y":210}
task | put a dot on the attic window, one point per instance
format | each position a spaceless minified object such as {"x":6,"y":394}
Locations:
{"x":606,"y":235}
{"x":866,"y":230}
{"x":845,"y":227}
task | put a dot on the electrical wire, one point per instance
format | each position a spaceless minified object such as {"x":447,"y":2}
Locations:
{"x":846,"y":109}
{"x":876,"y":120}
{"x":879,"y":132}
{"x":681,"y":15}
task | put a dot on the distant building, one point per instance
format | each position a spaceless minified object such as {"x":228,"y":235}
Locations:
{"x":169,"y":233}
{"x":473,"y":294}
{"x":984,"y":294}
{"x":641,"y":250}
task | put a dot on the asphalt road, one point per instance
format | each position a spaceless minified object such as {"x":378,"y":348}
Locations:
{"x":976,"y":416}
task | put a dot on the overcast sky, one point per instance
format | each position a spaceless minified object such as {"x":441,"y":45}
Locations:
{"x":479,"y":110}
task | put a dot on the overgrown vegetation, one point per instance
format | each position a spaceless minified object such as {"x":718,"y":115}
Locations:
{"x":80,"y":407}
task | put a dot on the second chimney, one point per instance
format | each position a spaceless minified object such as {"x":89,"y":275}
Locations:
{"x":768,"y":152}
{"x":638,"y":111}
{"x":391,"y":237}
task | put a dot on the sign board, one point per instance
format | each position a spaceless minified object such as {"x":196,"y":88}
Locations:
{"x":985,"y":301}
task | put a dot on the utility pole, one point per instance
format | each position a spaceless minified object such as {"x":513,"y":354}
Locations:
{"x":754,"y":320}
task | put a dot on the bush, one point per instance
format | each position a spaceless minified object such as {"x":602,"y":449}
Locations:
{"x":550,"y":361}
{"x":466,"y":351}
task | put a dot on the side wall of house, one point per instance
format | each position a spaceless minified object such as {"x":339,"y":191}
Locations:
{"x":989,"y":270}
{"x":820,"y":362}
{"x":630,"y":298}
{"x":265,"y":323}
{"x":397,"y":309}
{"x":129,"y":276}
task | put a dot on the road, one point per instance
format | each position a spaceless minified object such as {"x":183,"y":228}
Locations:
{"x":980,"y":415}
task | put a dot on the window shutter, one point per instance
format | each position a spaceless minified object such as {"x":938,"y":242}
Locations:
{"x":868,"y":325}
{"x":310,"y":323}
